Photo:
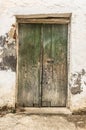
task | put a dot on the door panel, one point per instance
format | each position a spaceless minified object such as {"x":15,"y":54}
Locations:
{"x":29,"y":58}
{"x":54,"y":88}
{"x":42,"y":65}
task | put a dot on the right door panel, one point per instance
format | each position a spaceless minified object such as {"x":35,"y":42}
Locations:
{"x":54,"y":84}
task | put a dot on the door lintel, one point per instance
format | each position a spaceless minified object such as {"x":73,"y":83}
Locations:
{"x":60,"y":18}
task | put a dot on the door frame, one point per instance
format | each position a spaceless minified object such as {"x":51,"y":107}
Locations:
{"x":63,"y":18}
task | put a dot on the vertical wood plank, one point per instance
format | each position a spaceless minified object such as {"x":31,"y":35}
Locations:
{"x":55,"y":65}
{"x":29,"y":52}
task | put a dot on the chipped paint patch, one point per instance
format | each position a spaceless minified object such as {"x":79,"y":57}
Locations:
{"x":8,"y":50}
{"x":76,"y":82}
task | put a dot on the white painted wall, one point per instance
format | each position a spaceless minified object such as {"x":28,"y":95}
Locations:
{"x":10,"y":8}
{"x":7,"y":88}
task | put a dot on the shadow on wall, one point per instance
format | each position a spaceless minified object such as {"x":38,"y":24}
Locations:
{"x":8,"y":50}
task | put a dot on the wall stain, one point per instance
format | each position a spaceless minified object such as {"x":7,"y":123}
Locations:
{"x":76,"y":82}
{"x":8,"y":50}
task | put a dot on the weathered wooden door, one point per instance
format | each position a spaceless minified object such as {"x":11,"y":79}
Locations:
{"x":29,"y":68}
{"x":54,"y":86}
{"x":42,"y":65}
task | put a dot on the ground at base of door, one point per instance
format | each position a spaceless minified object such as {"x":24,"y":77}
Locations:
{"x":22,"y":121}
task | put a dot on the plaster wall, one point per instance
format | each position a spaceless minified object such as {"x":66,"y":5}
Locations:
{"x":76,"y":41}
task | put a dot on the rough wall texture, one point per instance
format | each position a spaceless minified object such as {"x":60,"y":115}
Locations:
{"x":8,"y":50}
{"x":77,"y":46}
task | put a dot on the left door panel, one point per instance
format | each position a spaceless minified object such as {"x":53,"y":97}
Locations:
{"x":29,"y":64}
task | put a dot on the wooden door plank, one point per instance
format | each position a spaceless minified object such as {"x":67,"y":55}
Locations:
{"x":55,"y":65}
{"x":29,"y":51}
{"x":47,"y":21}
{"x":54,"y":15}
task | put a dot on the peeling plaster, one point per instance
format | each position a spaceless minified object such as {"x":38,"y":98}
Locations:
{"x":76,"y":82}
{"x":8,"y":50}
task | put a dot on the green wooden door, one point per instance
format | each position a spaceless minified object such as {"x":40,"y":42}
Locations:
{"x":54,"y":87}
{"x":42,"y":65}
{"x":28,"y":66}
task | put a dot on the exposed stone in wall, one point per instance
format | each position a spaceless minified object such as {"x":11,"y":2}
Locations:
{"x":76,"y":82}
{"x":8,"y":50}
